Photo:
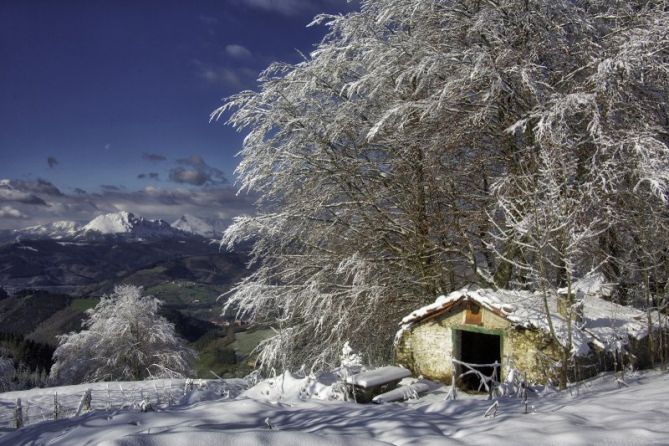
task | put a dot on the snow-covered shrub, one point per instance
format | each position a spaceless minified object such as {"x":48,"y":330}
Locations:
{"x":287,"y":387}
{"x":124,"y":338}
{"x":350,"y":359}
{"x":300,"y":386}
{"x":253,"y":378}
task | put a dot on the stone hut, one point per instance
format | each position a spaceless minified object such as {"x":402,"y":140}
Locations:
{"x":483,"y":326}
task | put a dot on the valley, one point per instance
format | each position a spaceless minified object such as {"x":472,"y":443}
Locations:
{"x":51,"y":275}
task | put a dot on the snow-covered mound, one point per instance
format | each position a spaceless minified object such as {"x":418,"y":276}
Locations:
{"x":287,"y":388}
{"x":194,"y":225}
{"x":126,"y":223}
{"x":253,"y":438}
{"x":597,"y":411}
{"x":593,"y":284}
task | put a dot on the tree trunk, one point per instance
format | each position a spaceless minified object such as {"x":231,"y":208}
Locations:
{"x":563,"y":368}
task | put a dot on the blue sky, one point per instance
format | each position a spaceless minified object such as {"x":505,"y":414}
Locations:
{"x":109,"y":101}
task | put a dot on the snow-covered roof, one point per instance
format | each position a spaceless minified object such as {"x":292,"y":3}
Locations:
{"x":593,"y":284}
{"x":605,"y":324}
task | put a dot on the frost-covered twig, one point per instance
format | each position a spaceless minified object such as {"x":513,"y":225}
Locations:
{"x":492,"y":410}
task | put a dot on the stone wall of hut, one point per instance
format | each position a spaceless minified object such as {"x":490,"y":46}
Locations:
{"x":428,"y":347}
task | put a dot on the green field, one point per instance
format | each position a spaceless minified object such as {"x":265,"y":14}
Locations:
{"x":185,"y":293}
{"x":226,"y":357}
{"x":83,"y":304}
{"x":246,"y":341}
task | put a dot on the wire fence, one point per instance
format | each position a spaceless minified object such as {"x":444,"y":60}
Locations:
{"x":36,"y":407}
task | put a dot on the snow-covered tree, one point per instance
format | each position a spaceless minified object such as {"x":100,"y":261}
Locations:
{"x":124,"y":338}
{"x":597,"y":138}
{"x":375,"y":157}
{"x":641,"y":266}
{"x":7,"y":373}
{"x":548,"y":218}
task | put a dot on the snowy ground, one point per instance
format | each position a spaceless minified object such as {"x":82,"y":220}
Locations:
{"x":597,"y":413}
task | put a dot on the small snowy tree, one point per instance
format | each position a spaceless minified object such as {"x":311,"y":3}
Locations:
{"x":124,"y":338}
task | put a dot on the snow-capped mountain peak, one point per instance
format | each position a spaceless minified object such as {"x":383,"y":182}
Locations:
{"x":127,"y":223}
{"x":55,"y":230}
{"x":194,"y":225}
{"x":121,"y":224}
{"x":114,"y":223}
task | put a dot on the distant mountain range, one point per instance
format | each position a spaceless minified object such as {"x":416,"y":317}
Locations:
{"x":126,"y":223}
{"x":78,"y":259}
{"x":54,"y":272}
{"x":55,"y":230}
{"x":117,"y":225}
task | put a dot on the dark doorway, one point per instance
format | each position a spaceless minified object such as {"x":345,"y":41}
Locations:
{"x":476,"y":348}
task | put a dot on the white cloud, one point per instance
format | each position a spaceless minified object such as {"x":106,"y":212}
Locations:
{"x":19,"y":191}
{"x":238,"y":51}
{"x":7,"y":194}
{"x":10,"y":212}
{"x":215,"y":201}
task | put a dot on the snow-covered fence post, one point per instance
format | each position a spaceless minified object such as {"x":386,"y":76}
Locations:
{"x":170,"y":398}
{"x":493,"y":379}
{"x":109,"y":400}
{"x":188,"y":386}
{"x":155,"y":388}
{"x":452,"y":394}
{"x":144,"y":403}
{"x":56,"y":406}
{"x":18,"y":414}
{"x":26,"y":414}
{"x":85,"y":402}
